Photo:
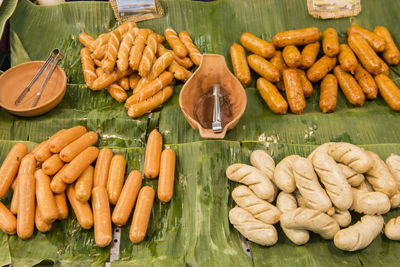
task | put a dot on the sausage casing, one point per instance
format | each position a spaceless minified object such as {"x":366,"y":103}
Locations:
{"x":271,"y":96}
{"x":127,"y":198}
{"x":63,"y":139}
{"x":153,"y":154}
{"x":8,"y":222}
{"x":45,"y":198}
{"x":264,"y":68}
{"x":347,"y":59}
{"x":328,"y":94}
{"x":102,"y":217}
{"x":116,"y":178}
{"x":320,"y":68}
{"x":389,"y":91}
{"x":57,"y":184}
{"x":102,"y":167}
{"x":141,"y":215}
{"x":350,"y":87}
{"x":62,"y":206}
{"x":365,"y":53}
{"x":375,"y":41}
{"x":305,"y":83}
{"x":239,"y":63}
{"x":366,"y":82}
{"x":330,"y":42}
{"x":309,"y":55}
{"x":82,"y":211}
{"x":52,"y":165}
{"x":294,"y":90}
{"x":277,"y":61}
{"x":69,"y":152}
{"x":391,"y":53}
{"x":296,"y":37}
{"x":167,"y":175}
{"x":79,"y":164}
{"x":83,"y":186}
{"x":257,"y":45}
{"x":9,"y":168}
{"x":292,"y":56}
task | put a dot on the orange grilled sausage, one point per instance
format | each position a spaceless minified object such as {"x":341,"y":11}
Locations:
{"x":40,"y":223}
{"x":277,"y":61}
{"x":296,"y":37}
{"x":69,"y":152}
{"x":14,"y":201}
{"x":174,"y":42}
{"x":78,"y":165}
{"x":102,"y":217}
{"x":366,"y":82}
{"x":26,"y":197}
{"x":365,"y":53}
{"x":309,"y":55}
{"x":330,"y":42}
{"x":116,"y":178}
{"x":62,"y":206}
{"x":391,"y":53}
{"x":193,"y":52}
{"x":294,"y":90}
{"x":292,"y":56}
{"x":256,"y":45}
{"x":102,"y":167}
{"x":8,"y":222}
{"x":9,"y":168}
{"x":350,"y":87}
{"x":65,"y":138}
{"x":167,"y":175}
{"x":82,"y":211}
{"x":83,"y":186}
{"x":239,"y":63}
{"x":328,"y":94}
{"x":264,"y":68}
{"x":271,"y":96}
{"x":44,"y":197}
{"x":42,"y":152}
{"x":52,"y":165}
{"x":320,"y":68}
{"x":389,"y":91}
{"x":347,"y":59}
{"x":141,"y":215}
{"x":305,"y":83}
{"x":127,"y":198}
{"x":57,"y":184}
{"x":153,"y":154}
{"x":375,"y":41}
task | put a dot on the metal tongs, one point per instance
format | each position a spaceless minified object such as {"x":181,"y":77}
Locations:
{"x":54,"y":58}
{"x":216,"y":124}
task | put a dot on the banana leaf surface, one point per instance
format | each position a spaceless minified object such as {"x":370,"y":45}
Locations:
{"x":193,"y":228}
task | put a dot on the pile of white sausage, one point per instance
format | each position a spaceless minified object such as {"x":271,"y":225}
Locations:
{"x":317,"y":194}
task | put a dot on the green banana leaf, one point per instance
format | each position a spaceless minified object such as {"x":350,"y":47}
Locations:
{"x":193,"y":228}
{"x":7,"y":8}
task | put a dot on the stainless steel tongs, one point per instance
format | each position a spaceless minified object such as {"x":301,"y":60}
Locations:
{"x":54,"y":58}
{"x":216,"y":124}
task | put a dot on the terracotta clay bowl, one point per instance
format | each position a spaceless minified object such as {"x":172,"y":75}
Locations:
{"x":15,"y":80}
{"x":212,"y":70}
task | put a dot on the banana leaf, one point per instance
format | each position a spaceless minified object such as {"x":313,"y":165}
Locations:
{"x":7,"y":8}
{"x":193,"y":228}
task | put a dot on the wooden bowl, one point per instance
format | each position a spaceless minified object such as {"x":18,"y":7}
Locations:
{"x":212,"y":70}
{"x":16,"y":79}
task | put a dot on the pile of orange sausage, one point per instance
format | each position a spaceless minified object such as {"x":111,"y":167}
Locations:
{"x":129,"y":58}
{"x":61,"y":166}
{"x":356,"y":67}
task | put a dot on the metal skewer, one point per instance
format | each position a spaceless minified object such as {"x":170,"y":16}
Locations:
{"x":53,"y":54}
{"x":54,"y":63}
{"x":217,"y":124}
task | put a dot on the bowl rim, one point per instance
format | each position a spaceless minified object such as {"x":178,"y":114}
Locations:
{"x":60,"y":92}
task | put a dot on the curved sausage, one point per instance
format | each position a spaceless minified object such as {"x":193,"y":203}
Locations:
{"x":264,"y":68}
{"x":127,"y":198}
{"x":57,"y":184}
{"x":366,"y":82}
{"x":320,"y":68}
{"x":347,"y":59}
{"x":296,"y":37}
{"x":389,"y":91}
{"x":239,"y":63}
{"x":9,"y":168}
{"x":102,"y":217}
{"x":83,"y":186}
{"x":330,"y":42}
{"x":116,"y":178}
{"x":78,"y":165}
{"x":257,"y":45}
{"x":82,"y":211}
{"x":305,"y":83}
{"x":391,"y":53}
{"x":65,"y":138}
{"x":328,"y":94}
{"x":294,"y":90}
{"x":52,"y":165}
{"x":271,"y":96}
{"x":8,"y":222}
{"x":350,"y":87}
{"x":153,"y":154}
{"x":141,"y":215}
{"x":365,"y":53}
{"x":69,"y":152}
{"x":102,"y":167}
{"x":374,"y":40}
{"x":309,"y":55}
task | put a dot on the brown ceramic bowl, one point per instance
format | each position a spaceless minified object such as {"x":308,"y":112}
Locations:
{"x":15,"y":80}
{"x":212,"y":70}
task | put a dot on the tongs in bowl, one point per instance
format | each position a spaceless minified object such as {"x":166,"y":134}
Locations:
{"x":54,"y":58}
